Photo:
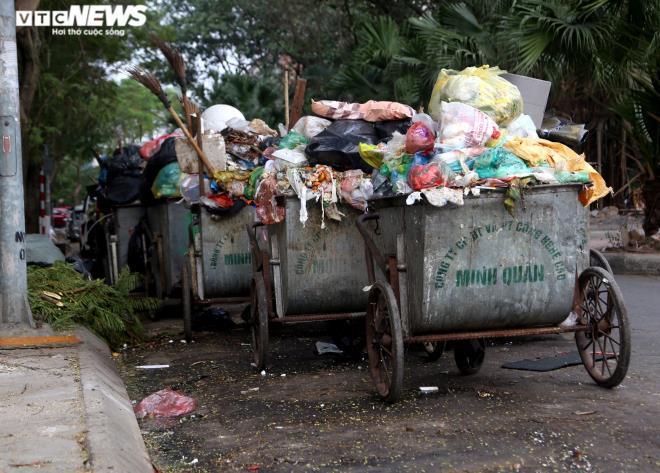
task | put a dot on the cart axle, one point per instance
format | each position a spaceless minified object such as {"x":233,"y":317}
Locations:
{"x":515,"y":332}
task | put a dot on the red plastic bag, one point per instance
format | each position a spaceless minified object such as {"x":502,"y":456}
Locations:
{"x":419,"y":138}
{"x":424,"y":176}
{"x":152,"y":147}
{"x":165,"y":403}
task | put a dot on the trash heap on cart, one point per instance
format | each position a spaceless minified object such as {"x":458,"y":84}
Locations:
{"x":475,"y":136}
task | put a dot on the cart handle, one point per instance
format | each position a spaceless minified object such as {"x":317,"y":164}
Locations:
{"x":257,"y":257}
{"x":373,"y":254}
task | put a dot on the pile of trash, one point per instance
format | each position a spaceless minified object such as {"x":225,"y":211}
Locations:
{"x":474,"y":137}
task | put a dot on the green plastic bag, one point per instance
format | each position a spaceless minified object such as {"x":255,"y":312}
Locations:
{"x":166,"y":183}
{"x":293,"y":139}
{"x":499,"y":163}
{"x":253,"y":180}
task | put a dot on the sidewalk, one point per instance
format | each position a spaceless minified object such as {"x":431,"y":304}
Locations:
{"x":66,"y":410}
{"x":634,"y":263}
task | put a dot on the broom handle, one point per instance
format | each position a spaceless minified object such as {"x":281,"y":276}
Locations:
{"x":191,"y":140}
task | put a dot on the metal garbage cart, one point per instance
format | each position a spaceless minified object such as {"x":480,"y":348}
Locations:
{"x":119,"y":225}
{"x":305,"y":273}
{"x":219,"y":262}
{"x":463,"y":274}
{"x":168,"y":223}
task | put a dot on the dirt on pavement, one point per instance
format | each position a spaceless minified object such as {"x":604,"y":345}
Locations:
{"x":314,"y":412}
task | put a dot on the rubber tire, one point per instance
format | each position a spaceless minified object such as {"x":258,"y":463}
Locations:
{"x":186,"y":302}
{"x":597,"y":259}
{"x":624,"y":350}
{"x":434,"y":350}
{"x":469,"y":355}
{"x":259,"y":322}
{"x":397,"y":366}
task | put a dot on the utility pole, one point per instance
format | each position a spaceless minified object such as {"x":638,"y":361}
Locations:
{"x":14,"y":307}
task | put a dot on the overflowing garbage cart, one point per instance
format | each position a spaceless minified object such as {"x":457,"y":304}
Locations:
{"x":467,"y":273}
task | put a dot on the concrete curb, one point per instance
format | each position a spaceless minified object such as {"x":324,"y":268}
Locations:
{"x":114,"y":441}
{"x":634,"y":263}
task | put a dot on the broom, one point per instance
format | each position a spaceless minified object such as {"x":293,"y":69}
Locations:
{"x":175,"y":59}
{"x":150,"y":82}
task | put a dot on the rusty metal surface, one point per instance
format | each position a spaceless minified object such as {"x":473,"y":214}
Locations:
{"x":225,"y":254}
{"x":318,"y":317}
{"x":505,"y":333}
{"x":315,"y":269}
{"x":168,"y":222}
{"x":476,"y":267}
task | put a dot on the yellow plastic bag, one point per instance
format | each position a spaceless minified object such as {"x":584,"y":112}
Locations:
{"x":372,"y":154}
{"x":562,"y":158}
{"x":480,"y":87}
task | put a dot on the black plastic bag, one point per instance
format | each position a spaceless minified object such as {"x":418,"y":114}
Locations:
{"x":337,"y":145}
{"x":165,"y":155}
{"x":123,"y":177}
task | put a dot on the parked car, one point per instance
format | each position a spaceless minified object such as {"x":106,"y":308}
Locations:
{"x":60,"y":217}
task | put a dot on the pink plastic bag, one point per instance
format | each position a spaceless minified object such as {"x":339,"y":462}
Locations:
{"x":165,"y":403}
{"x":419,"y":137}
{"x":425,"y":176}
{"x":153,"y":146}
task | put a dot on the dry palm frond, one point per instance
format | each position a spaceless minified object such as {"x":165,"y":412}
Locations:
{"x":175,"y":59}
{"x":148,"y":80}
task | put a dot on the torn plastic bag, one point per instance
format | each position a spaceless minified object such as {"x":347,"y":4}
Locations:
{"x":338,"y":145}
{"x":189,"y":187}
{"x":292,"y":140}
{"x":165,"y":403}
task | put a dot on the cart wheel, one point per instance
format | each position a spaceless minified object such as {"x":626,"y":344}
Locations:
{"x":259,"y":321}
{"x":605,"y":346}
{"x":186,"y":302}
{"x":469,"y":355}
{"x":596,"y":258}
{"x":385,"y":342}
{"x":434,"y":350}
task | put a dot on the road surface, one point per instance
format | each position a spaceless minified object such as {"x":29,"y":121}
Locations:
{"x":320,"y":413}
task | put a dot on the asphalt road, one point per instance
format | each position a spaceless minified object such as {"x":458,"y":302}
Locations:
{"x":320,"y":413}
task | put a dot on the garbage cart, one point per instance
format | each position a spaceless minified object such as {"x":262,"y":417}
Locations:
{"x":305,"y":273}
{"x":168,"y":223}
{"x":119,"y":225}
{"x":219,"y":262}
{"x":464,"y":274}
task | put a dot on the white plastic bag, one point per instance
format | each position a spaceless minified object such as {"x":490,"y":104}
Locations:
{"x":310,"y":126}
{"x":462,"y":126}
{"x":522,"y":127}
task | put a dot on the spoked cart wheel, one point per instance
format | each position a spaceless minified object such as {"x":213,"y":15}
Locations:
{"x":596,"y":258}
{"x":469,"y":355}
{"x":186,"y":302}
{"x":384,"y":342}
{"x":605,"y":345}
{"x":259,"y":320}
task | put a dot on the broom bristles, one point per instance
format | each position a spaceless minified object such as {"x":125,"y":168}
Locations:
{"x":175,"y":59}
{"x":150,"y":82}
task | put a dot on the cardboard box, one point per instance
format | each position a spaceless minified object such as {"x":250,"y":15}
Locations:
{"x":535,"y":94}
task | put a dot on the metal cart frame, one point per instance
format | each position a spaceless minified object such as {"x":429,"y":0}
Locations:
{"x":296,"y":270}
{"x":218,"y":263}
{"x":596,"y":299}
